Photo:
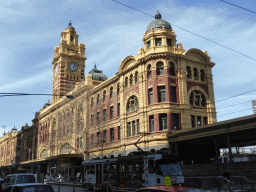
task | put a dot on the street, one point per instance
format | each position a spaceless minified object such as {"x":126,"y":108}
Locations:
{"x":67,"y":188}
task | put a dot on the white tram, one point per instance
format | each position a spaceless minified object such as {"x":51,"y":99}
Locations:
{"x":139,"y":169}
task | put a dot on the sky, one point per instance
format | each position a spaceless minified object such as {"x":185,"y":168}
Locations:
{"x":30,"y":29}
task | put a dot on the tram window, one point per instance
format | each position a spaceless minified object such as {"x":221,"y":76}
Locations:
{"x":151,"y":166}
{"x":121,"y":167}
{"x":87,"y":169}
{"x":92,"y":169}
{"x":139,"y":167}
{"x":130,"y":167}
{"x":106,"y":168}
{"x":112,"y":168}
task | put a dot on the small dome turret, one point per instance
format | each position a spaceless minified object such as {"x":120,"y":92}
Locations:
{"x":70,"y":26}
{"x":14,"y":130}
{"x":158,"y":23}
{"x":97,"y":74}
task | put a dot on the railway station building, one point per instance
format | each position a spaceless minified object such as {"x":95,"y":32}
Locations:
{"x":162,"y":88}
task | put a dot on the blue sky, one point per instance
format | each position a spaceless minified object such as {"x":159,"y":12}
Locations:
{"x":30,"y":29}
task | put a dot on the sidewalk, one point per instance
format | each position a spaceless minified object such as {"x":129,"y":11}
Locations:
{"x":66,"y":183}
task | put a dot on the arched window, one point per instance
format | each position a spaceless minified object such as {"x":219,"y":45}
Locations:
{"x":149,"y":71}
{"x":44,"y":154}
{"x":195,"y":74}
{"x":136,"y":77}
{"x":132,"y":104}
{"x":111,"y":92}
{"x":197,"y":98}
{"x":126,"y":82}
{"x":188,"y":72}
{"x":92,"y":102}
{"x":131,"y":80}
{"x":202,"y":74}
{"x":98,"y":99}
{"x":171,"y":68}
{"x":65,"y":149}
{"x":117,"y":89}
{"x":104,"y":95}
{"x":160,"y":68}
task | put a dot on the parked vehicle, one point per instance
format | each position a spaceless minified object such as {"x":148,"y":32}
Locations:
{"x":30,"y":187}
{"x":167,"y":189}
{"x":18,"y":179}
{"x":1,"y":182}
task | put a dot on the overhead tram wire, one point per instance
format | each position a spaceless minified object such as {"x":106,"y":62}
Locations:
{"x":235,"y":104}
{"x":27,"y":94}
{"x":235,"y":112}
{"x":238,"y":6}
{"x":188,"y":31}
{"x":235,"y":95}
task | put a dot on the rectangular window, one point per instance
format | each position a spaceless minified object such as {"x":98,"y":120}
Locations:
{"x":138,"y":126}
{"x":199,"y":123}
{"x":193,"y":120}
{"x":111,"y":112}
{"x":81,"y":142}
{"x":175,"y":121}
{"x":205,"y":121}
{"x":149,"y":73}
{"x":104,"y":136}
{"x":92,"y":119}
{"x":169,"y":42}
{"x":118,"y":109}
{"x":158,"y":41}
{"x":173,"y":94}
{"x":77,"y":142}
{"x":92,"y":139}
{"x":111,"y":134}
{"x":161,"y":94}
{"x":98,"y":117}
{"x":133,"y":128}
{"x":148,"y":44}
{"x":104,"y":114}
{"x":162,"y":122}
{"x":150,"y":96}
{"x":98,"y":138}
{"x":119,"y":133}
{"x":129,"y":129}
{"x":151,"y":123}
{"x":197,"y":99}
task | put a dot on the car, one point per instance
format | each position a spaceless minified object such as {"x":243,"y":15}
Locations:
{"x":167,"y":189}
{"x":18,"y":179}
{"x":1,"y":182}
{"x":30,"y":187}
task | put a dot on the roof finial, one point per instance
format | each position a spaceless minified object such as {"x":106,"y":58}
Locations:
{"x":95,"y":67}
{"x":158,"y":15}
{"x":70,"y":26}
{"x":70,"y":15}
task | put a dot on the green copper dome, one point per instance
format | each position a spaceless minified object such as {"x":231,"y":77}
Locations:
{"x":97,"y":74}
{"x":70,"y":26}
{"x":158,"y":23}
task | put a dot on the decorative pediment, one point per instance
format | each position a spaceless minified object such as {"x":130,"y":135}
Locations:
{"x":197,"y":55}
{"x":127,"y":63}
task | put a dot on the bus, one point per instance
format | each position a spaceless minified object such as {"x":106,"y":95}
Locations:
{"x":138,"y":169}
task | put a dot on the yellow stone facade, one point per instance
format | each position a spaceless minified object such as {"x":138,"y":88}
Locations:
{"x":77,"y":126}
{"x":163,"y":88}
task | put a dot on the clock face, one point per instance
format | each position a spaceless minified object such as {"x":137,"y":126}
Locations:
{"x":72,"y":67}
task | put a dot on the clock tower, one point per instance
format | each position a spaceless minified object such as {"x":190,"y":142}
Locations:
{"x":68,"y":63}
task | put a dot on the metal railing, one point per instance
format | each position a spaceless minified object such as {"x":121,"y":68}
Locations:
{"x":221,"y":183}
